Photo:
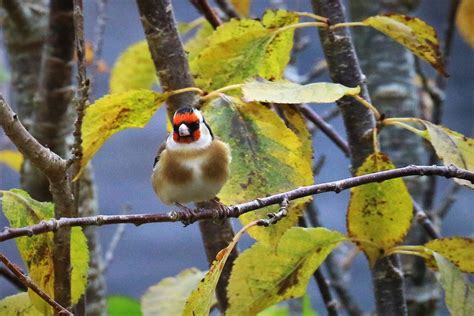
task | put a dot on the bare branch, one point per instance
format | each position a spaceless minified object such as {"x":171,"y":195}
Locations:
{"x":99,"y":29}
{"x":203,"y":7}
{"x":447,"y":201}
{"x":425,"y":221}
{"x":18,"y":12}
{"x":43,"y":158}
{"x":326,"y":129}
{"x":228,"y":9}
{"x":12,"y":279}
{"x":30,"y":284}
{"x":239,"y":209}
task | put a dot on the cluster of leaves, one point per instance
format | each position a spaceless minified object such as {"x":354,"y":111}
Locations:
{"x":271,"y":154}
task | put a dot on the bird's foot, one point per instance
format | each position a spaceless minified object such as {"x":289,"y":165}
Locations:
{"x":188,"y":216}
{"x":221,"y":211}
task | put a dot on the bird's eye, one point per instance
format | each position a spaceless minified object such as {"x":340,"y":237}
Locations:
{"x":193,"y":126}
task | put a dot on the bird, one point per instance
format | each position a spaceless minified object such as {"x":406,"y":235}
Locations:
{"x":192,"y":165}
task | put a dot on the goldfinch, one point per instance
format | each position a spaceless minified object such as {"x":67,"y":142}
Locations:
{"x":192,"y":165}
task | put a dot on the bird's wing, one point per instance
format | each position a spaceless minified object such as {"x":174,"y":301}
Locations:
{"x":160,"y":150}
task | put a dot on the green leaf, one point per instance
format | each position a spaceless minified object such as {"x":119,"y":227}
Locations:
{"x":459,"y":294}
{"x":134,"y":69}
{"x":264,"y":275}
{"x":37,"y":251}
{"x":413,"y":33}
{"x":307,"y":308}
{"x":379,"y":213}
{"x":458,"y":250}
{"x":167,"y":298}
{"x":292,"y":93}
{"x":18,"y":304}
{"x":114,"y":113}
{"x":12,"y":159}
{"x":275,"y":310}
{"x":452,"y":147}
{"x":267,"y":157}
{"x":118,"y":305}
{"x":241,"y":49}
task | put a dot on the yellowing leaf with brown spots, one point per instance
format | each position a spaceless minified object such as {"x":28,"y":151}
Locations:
{"x":292,"y":93}
{"x":264,"y":275}
{"x":241,"y":49}
{"x":12,"y":159}
{"x":458,"y":292}
{"x":196,"y":44}
{"x":114,"y":113}
{"x":413,"y":33}
{"x":295,"y":121}
{"x":37,"y":251}
{"x":465,"y":21}
{"x":134,"y":69}
{"x":452,"y":147}
{"x":379,"y":213}
{"x":202,"y":297}
{"x":169,"y":295}
{"x":18,"y":304}
{"x":267,"y":158}
{"x":458,"y":250}
{"x":242,"y":6}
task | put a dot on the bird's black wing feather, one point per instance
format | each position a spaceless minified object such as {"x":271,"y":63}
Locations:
{"x":160,"y":149}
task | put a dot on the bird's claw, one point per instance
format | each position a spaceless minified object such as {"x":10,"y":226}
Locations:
{"x":188,"y":215}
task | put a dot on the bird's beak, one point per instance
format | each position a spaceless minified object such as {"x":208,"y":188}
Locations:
{"x":183,"y":130}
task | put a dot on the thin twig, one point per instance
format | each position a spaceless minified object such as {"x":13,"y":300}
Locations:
{"x":109,"y":255}
{"x":30,"y":284}
{"x":447,"y":201}
{"x":323,"y":285}
{"x":203,"y":7}
{"x":425,"y":221}
{"x":326,"y":129}
{"x":12,"y":279}
{"x":236,"y":210}
{"x":334,"y":270}
{"x":331,"y":114}
{"x":228,"y":9}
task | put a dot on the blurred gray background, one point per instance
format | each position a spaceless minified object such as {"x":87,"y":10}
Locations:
{"x":147,"y":254}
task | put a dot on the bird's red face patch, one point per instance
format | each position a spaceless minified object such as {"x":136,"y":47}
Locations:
{"x":191,"y":121}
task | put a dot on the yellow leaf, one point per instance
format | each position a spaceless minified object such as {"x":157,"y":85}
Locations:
{"x":465,"y":21}
{"x":458,"y":250}
{"x":264,"y":275}
{"x":242,"y":6}
{"x":413,"y":33}
{"x":459,"y":293}
{"x":18,"y":304}
{"x":113,"y":113}
{"x":379,"y":213}
{"x":267,"y":158}
{"x":37,"y":251}
{"x":293,"y":93}
{"x":452,"y":147}
{"x":134,"y":69}
{"x":169,"y":295}
{"x":240,"y":49}
{"x":202,"y":297}
{"x":295,"y":121}
{"x":195,"y":45}
{"x":12,"y":159}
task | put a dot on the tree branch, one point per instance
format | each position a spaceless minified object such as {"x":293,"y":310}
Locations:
{"x":19,"y":13}
{"x":12,"y":279}
{"x":326,"y":129}
{"x":203,"y":7}
{"x":167,"y":51}
{"x":30,"y":284}
{"x":43,"y":158}
{"x":239,"y":209}
{"x":228,"y":9}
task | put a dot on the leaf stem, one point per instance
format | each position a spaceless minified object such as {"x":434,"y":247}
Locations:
{"x":368,"y":105}
{"x":300,"y":25}
{"x":348,"y":24}
{"x":184,"y":90}
{"x":313,"y":16}
{"x":216,"y":93}
{"x":399,"y":122}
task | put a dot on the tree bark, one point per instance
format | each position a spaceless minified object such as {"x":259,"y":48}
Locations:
{"x":344,"y":68}
{"x":390,"y":71}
